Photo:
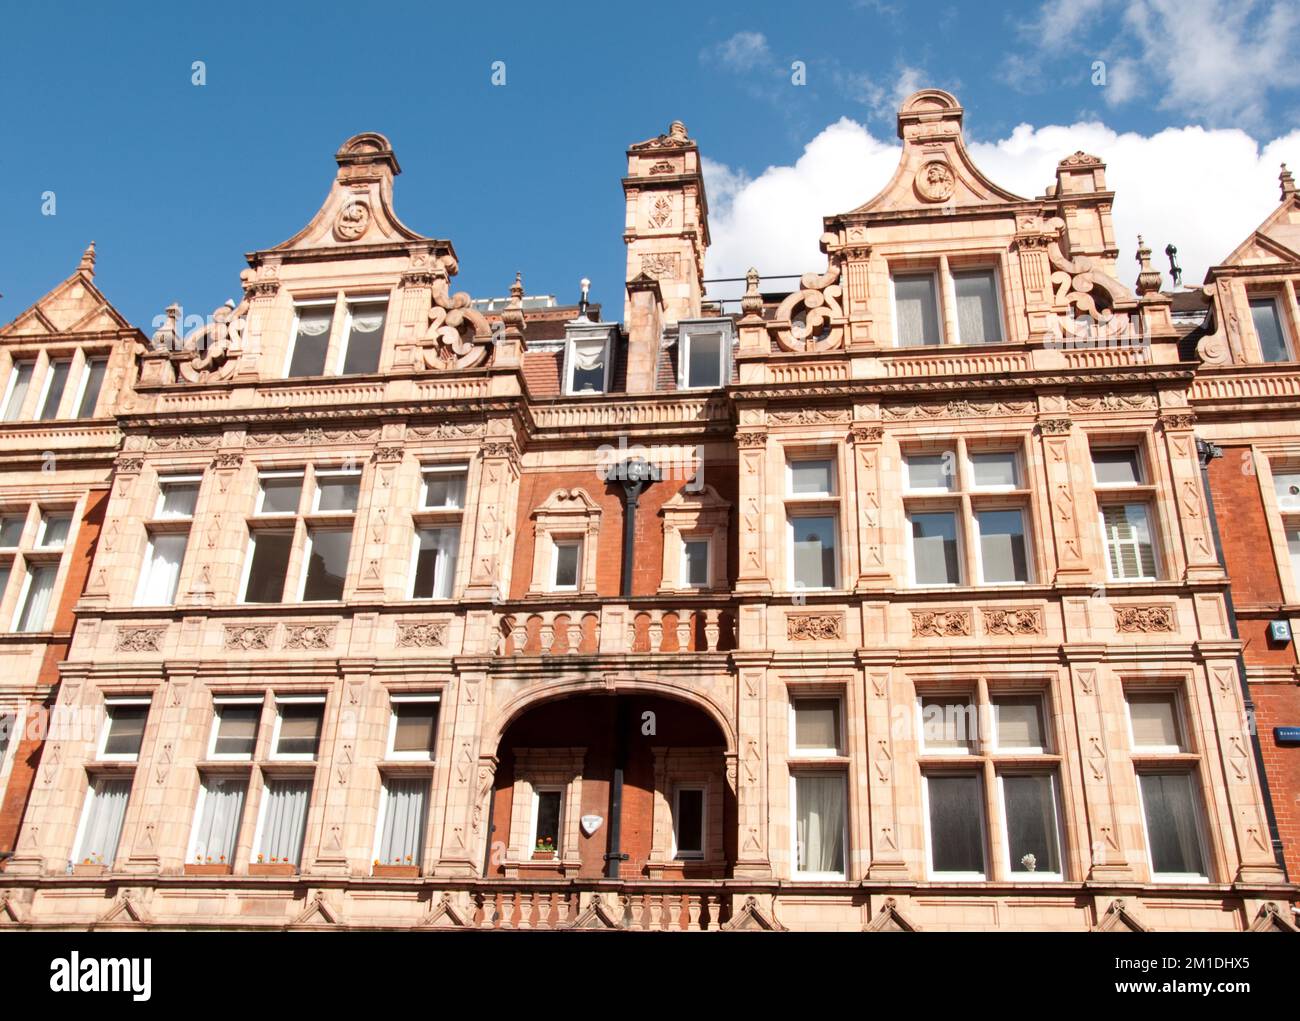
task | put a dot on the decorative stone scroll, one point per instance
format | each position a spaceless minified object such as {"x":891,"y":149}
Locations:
{"x":1144,"y":619}
{"x":814,"y":627}
{"x":811,"y":320}
{"x":458,"y":336}
{"x":941,"y":624}
{"x":308,"y":636}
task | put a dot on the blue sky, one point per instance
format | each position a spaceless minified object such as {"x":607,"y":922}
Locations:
{"x":175,"y":182}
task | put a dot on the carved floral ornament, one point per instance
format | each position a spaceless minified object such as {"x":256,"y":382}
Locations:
{"x":1144,"y":619}
{"x":814,"y":627}
{"x":458,"y":336}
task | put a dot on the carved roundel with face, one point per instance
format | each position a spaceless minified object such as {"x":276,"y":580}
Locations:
{"x":352,"y":221}
{"x":934,"y":181}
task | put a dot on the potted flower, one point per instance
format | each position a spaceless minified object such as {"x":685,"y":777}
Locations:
{"x":544,"y":850}
{"x":275,"y":865}
{"x":398,"y":868}
{"x":91,"y":865}
{"x":208,"y":866}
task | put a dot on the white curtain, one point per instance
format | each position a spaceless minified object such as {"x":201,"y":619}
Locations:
{"x":819,"y":811}
{"x":367,"y":322}
{"x":94,"y":382}
{"x":105,"y":810}
{"x":446,"y":541}
{"x":55,"y":530}
{"x":313,"y":324}
{"x":917,"y":311}
{"x":285,"y":820}
{"x":39,"y":591}
{"x":218,"y":827}
{"x":18,"y":393}
{"x":166,"y":554}
{"x":589,"y":355}
{"x":977,"y":307}
{"x":403,"y":832}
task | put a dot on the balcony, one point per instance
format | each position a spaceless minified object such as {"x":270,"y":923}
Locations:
{"x":686,"y":624}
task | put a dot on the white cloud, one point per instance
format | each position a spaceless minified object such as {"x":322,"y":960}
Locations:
{"x":743,"y":52}
{"x":1204,"y":190}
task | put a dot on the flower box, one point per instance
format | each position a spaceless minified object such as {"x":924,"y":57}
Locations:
{"x":207,"y":869}
{"x":272,"y":868}
{"x":543,"y":856}
{"x":397,"y":871}
{"x":89,"y":869}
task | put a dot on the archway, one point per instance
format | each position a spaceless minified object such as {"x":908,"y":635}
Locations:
{"x":558,"y":808}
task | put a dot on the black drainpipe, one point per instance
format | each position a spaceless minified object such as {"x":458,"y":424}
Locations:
{"x":636,"y":475}
{"x":1205,"y":453}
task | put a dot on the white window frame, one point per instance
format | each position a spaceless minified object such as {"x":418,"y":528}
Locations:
{"x":684,"y":358}
{"x":833,"y":475}
{"x":328,"y":474}
{"x":415,"y":561}
{"x":684,"y":570}
{"x":87,"y":365}
{"x":451,"y":468}
{"x":275,"y":754}
{"x":1278,"y":301}
{"x":959,"y":533}
{"x":972,"y":739}
{"x":24,"y":590}
{"x":198,"y":816}
{"x":556,"y":543}
{"x":168,"y":480}
{"x":44,"y":528}
{"x":100,"y":754}
{"x":1149,"y":506}
{"x":341,"y":356}
{"x":954,"y":877}
{"x":571,"y":364}
{"x":87,"y":806}
{"x":978,"y":538}
{"x":548,"y":788}
{"x":912,"y":490}
{"x":938,"y":305}
{"x":308,"y":542}
{"x":996,"y":270}
{"x":382,"y":815}
{"x":795,"y":871}
{"x":812,"y":512}
{"x":48,"y":378}
{"x":217,"y":703}
{"x":1017,"y":467}
{"x":253,"y":534}
{"x":1198,"y":812}
{"x":258,"y":512}
{"x":1035,"y":876}
{"x":1143,"y":473}
{"x":396,"y":700}
{"x":10,"y":385}
{"x":147,"y":569}
{"x":259,"y":831}
{"x":330,"y":303}
{"x":816,"y":753}
{"x":1180,"y":721}
{"x":994,"y":743}
{"x":703,"y":852}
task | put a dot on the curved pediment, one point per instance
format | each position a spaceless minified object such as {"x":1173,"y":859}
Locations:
{"x":935,"y":170}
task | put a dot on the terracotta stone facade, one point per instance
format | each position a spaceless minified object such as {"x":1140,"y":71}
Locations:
{"x":891,"y":602}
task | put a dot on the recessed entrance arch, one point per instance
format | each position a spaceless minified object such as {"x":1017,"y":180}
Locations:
{"x":557,"y":808}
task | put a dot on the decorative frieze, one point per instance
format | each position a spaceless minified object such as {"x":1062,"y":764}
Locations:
{"x":1055,"y":426}
{"x":814,"y":627}
{"x":810,"y":416}
{"x":1016,"y":621}
{"x":941,"y":624}
{"x":1113,"y":401}
{"x":139,"y":639}
{"x":1144,"y":619}
{"x":958,"y":409}
{"x":248,"y":637}
{"x":308,"y":636}
{"x":426,"y":634}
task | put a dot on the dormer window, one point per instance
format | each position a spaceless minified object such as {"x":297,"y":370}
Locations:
{"x":587,"y":361}
{"x":1274,"y":345}
{"x":314,"y":351}
{"x":704,"y":354}
{"x":947,"y":306}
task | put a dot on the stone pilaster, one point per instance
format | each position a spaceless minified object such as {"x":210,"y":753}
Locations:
{"x":866,"y":439}
{"x":753,"y":855}
{"x":753,"y":575}
{"x":461,"y":841}
{"x":1061,"y":452}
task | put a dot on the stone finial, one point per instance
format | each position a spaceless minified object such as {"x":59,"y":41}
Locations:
{"x":512,"y":315}
{"x":1148,"y":281}
{"x":517,"y":289}
{"x":87,"y":264}
{"x":166,"y":338}
{"x":751,"y":303}
{"x":1288,"y":183}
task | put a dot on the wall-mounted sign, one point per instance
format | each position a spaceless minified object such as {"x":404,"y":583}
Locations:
{"x":1279,"y":630}
{"x":1286,"y":735}
{"x":591,"y":823}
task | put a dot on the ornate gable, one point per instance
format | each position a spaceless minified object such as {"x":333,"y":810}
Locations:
{"x":1277,"y":239}
{"x":358,"y":211}
{"x":935,"y":169}
{"x":75,"y":306}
